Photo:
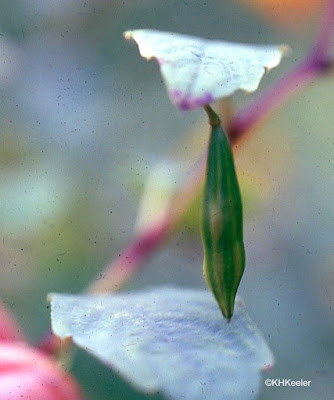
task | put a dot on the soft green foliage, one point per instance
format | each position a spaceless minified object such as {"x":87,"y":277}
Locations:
{"x":163,"y":338}
{"x":224,"y":254}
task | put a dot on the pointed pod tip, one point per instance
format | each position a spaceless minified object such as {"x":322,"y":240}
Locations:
{"x":227,"y":311}
{"x":228,"y":316}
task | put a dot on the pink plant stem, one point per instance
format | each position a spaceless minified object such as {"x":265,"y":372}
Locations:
{"x":323,"y":41}
{"x":121,"y":269}
{"x":273,"y":97}
{"x":316,"y":63}
{"x":116,"y":274}
{"x":131,"y":257}
{"x":145,"y":242}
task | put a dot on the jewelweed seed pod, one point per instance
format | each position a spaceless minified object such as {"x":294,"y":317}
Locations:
{"x":222,"y":225}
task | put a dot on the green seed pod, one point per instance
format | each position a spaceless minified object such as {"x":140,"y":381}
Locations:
{"x":224,"y":254}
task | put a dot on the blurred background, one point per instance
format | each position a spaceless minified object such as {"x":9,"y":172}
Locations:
{"x":83,"y":121}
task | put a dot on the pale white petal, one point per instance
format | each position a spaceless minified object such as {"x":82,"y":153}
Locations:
{"x":199,"y":71}
{"x":172,"y":340}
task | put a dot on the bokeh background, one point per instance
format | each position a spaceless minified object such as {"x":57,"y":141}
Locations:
{"x":84,"y":120}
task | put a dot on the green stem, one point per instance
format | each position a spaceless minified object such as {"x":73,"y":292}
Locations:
{"x":214,"y":119}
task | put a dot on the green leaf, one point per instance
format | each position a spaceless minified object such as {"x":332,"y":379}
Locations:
{"x":172,"y":340}
{"x":199,"y":71}
{"x":224,"y":254}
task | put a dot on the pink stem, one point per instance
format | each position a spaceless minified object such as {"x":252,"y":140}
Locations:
{"x":270,"y":99}
{"x":322,"y":43}
{"x":116,"y":275}
{"x":131,"y":258}
{"x":144,"y":243}
{"x":315,"y":64}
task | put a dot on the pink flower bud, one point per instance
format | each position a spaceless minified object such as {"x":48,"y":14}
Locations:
{"x":26,"y":373}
